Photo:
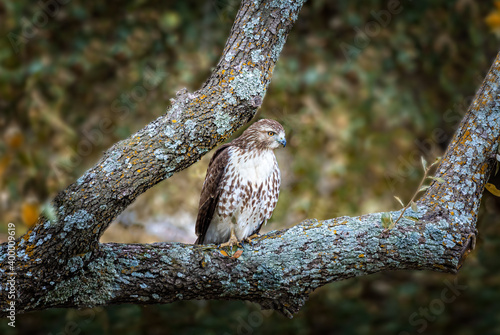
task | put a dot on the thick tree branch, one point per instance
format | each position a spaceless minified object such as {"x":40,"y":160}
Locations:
{"x":61,"y":264}
{"x":193,"y":124}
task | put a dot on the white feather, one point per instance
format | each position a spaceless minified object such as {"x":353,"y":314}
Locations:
{"x":249,"y":168}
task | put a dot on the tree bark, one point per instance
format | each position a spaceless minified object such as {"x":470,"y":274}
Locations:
{"x":60,"y":263}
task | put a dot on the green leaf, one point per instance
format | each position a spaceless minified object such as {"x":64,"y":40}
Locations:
{"x":424,"y":163}
{"x":438,"y":179}
{"x":399,"y":200}
{"x":387,"y":222}
{"x":410,"y":218}
{"x":414,"y":207}
{"x":49,"y":211}
{"x":423,"y":188}
{"x":436,"y":161}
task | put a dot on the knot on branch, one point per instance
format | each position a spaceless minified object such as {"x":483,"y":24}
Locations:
{"x":287,"y":305}
{"x":469,"y":245}
{"x":256,"y":101}
{"x":182,"y":95}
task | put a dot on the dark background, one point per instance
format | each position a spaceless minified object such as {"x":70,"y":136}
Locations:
{"x":362,"y":93}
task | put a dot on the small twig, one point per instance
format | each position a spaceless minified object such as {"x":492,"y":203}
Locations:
{"x":420,"y":188}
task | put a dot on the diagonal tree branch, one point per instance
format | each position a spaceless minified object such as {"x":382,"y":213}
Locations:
{"x":59,"y":268}
{"x":193,"y":124}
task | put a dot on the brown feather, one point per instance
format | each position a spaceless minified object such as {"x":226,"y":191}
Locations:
{"x":211,"y":191}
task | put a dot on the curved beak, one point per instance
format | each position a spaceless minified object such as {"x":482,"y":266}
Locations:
{"x":282,"y":141}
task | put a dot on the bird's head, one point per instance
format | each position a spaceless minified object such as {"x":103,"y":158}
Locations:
{"x":265,"y":134}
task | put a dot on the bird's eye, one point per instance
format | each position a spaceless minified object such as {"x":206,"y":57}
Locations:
{"x":271,"y":133}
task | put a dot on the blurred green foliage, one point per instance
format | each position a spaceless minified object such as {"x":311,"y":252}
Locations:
{"x":74,"y":83}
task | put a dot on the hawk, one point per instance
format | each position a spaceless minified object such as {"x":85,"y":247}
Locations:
{"x":241,"y":187}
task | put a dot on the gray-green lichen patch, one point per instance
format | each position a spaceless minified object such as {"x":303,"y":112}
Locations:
{"x":223,"y":122}
{"x":22,"y":255}
{"x":80,"y":180}
{"x":88,"y":175}
{"x":410,"y":240}
{"x":232,"y":286}
{"x":3,"y":254}
{"x":449,"y":241}
{"x":191,"y":132}
{"x":249,"y":27}
{"x":229,"y":56}
{"x":171,"y":142}
{"x":161,"y":155}
{"x":75,"y":263}
{"x":178,"y":255}
{"x":435,"y":237}
{"x":166,"y":259}
{"x":278,"y":47}
{"x":289,"y":9}
{"x":177,"y":107}
{"x":229,"y":99}
{"x":137,"y":274}
{"x":169,"y":131}
{"x":43,"y":239}
{"x":257,"y":56}
{"x":81,"y":219}
{"x":32,"y":237}
{"x":189,"y":126}
{"x":151,"y":129}
{"x":248,"y":83}
{"x":90,"y":287}
{"x":183,"y":253}
{"x":111,"y":163}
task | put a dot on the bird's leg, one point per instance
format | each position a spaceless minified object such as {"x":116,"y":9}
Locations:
{"x":251,"y":237}
{"x":255,"y":232}
{"x":233,"y":240}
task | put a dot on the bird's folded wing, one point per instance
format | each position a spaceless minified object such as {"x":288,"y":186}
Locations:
{"x":211,"y":191}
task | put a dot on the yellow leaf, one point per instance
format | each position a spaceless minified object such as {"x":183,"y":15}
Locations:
{"x":223,"y":253}
{"x":4,"y":163}
{"x":493,"y":190}
{"x":400,"y":201}
{"x":493,"y":20}
{"x":30,"y":211}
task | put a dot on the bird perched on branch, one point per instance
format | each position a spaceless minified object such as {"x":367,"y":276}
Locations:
{"x":241,"y":187}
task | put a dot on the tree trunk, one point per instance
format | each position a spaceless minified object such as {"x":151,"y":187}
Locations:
{"x":60,"y":263}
